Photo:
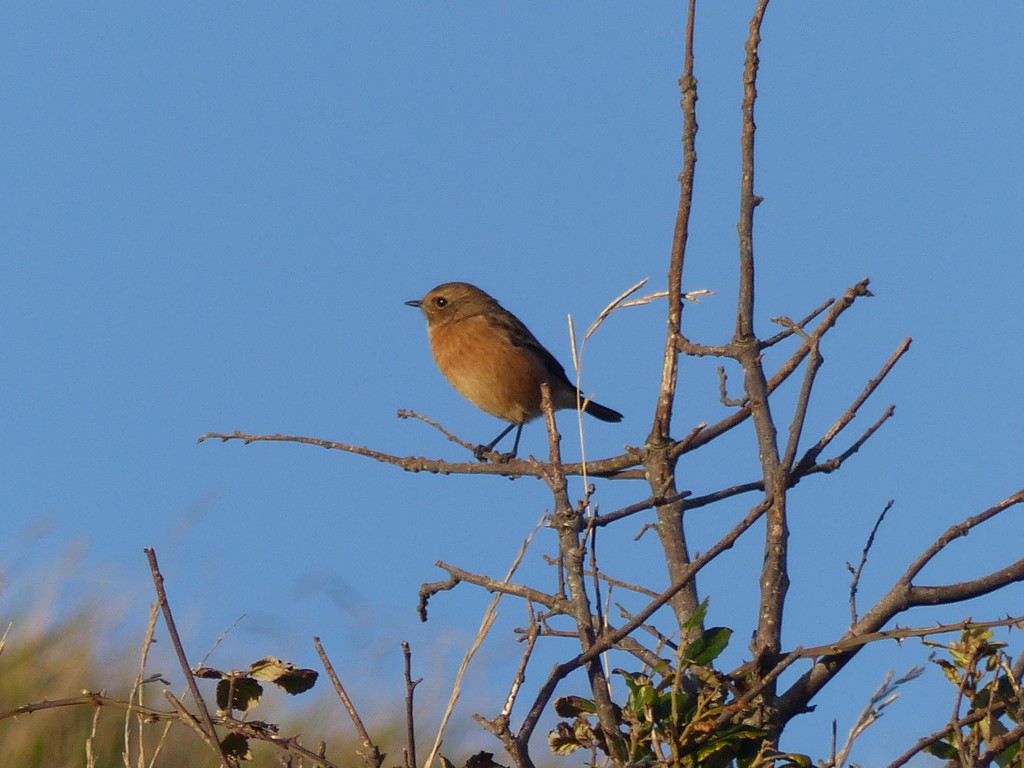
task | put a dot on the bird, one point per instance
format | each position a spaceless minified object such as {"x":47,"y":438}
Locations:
{"x":493,"y":360}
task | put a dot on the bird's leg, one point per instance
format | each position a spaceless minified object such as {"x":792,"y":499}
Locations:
{"x":515,"y":445}
{"x":481,"y":451}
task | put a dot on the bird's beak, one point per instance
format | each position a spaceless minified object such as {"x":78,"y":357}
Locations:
{"x":414,"y":303}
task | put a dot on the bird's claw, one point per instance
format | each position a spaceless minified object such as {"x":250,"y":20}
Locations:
{"x":486,"y":453}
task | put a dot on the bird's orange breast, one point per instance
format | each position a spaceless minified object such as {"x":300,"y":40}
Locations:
{"x":495,"y":375}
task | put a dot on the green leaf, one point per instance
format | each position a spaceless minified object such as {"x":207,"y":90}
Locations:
{"x":941,"y":749}
{"x":706,"y":648}
{"x":574,"y":706}
{"x":794,"y":759}
{"x":1006,"y":757}
{"x":662,"y":667}
{"x":633,"y":679}
{"x":563,"y":741}
{"x":697,"y":618}
{"x":643,"y":696}
{"x":685,"y":704}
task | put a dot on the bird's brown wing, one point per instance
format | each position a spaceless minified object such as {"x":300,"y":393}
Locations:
{"x":520,"y":336}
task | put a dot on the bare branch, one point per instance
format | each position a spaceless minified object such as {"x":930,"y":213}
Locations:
{"x":748,"y":200}
{"x":89,"y":699}
{"x":812,"y":453}
{"x":485,"y":627}
{"x":611,"y":468}
{"x":613,"y":637}
{"x":795,"y":327}
{"x":403,"y":413}
{"x":899,"y":634}
{"x":190,"y":720}
{"x":554,"y":603}
{"x":880,"y":699}
{"x":856,"y":572}
{"x":956,"y":531}
{"x":661,"y":427}
{"x":661,"y":453}
{"x":834,"y":463}
{"x":410,"y":720}
{"x":902,"y":596}
{"x":723,"y":394}
{"x":568,"y":523}
{"x":610,"y":517}
{"x":372,"y":757}
{"x":837,"y":308}
{"x":210,"y":734}
{"x":923,"y":743}
{"x":804,"y":399}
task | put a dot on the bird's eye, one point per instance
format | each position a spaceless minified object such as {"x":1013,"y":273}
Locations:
{"x":440,"y":301}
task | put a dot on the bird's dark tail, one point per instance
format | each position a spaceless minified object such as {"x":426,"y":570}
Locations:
{"x":602,"y":412}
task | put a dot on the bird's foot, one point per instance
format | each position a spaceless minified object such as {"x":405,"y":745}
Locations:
{"x":486,"y":453}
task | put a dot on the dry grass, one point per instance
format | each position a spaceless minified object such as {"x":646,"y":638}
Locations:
{"x":63,"y":661}
{"x":46,"y":665}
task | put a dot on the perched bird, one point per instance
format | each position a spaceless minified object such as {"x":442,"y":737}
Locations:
{"x":493,"y":361}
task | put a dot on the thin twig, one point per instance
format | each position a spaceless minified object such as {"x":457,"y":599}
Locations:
{"x":748,"y":200}
{"x":811,"y":455}
{"x":880,"y":699}
{"x":410,"y":687}
{"x":517,"y":682}
{"x":406,"y":414}
{"x":172,"y":630}
{"x":661,"y":426}
{"x":189,"y":719}
{"x":847,"y":644}
{"x":147,"y":642}
{"x":486,"y":623}
{"x":926,"y":741}
{"x":739,"y":707}
{"x":90,"y":757}
{"x":814,"y":363}
{"x":632,"y":509}
{"x":3,"y":639}
{"x":837,"y":308}
{"x":796,"y":327}
{"x":774,"y":578}
{"x":372,"y":757}
{"x":956,"y":531}
{"x":856,"y":572}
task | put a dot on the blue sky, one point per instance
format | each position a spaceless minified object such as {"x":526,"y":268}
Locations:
{"x":212,"y":213}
